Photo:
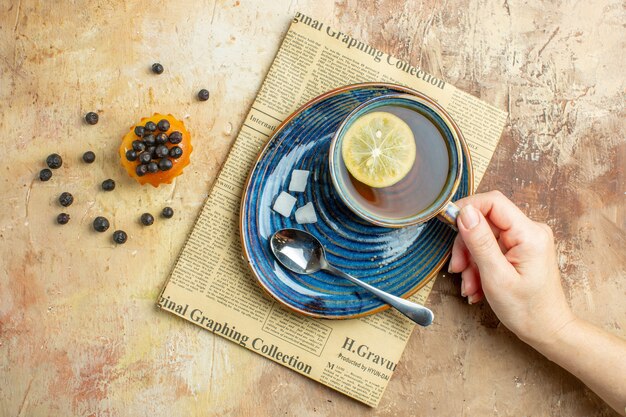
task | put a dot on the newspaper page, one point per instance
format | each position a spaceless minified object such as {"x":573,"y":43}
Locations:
{"x":211,"y":285}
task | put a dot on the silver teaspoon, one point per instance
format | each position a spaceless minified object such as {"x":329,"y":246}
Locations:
{"x":302,"y":253}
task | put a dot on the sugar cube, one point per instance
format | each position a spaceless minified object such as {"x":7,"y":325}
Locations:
{"x":306,"y":214}
{"x":284,"y":204}
{"x":298,"y":181}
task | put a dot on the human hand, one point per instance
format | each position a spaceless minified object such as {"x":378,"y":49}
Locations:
{"x":511,"y":260}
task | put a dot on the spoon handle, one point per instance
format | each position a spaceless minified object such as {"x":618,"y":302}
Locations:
{"x":419,"y":314}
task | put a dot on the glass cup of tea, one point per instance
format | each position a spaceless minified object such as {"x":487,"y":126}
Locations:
{"x":396,"y":160}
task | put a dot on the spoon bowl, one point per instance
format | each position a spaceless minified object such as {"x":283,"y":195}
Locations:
{"x":298,"y":251}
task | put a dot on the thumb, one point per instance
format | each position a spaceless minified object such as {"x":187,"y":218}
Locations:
{"x":480,"y":240}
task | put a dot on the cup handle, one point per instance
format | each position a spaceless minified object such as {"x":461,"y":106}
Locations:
{"x":449,"y":215}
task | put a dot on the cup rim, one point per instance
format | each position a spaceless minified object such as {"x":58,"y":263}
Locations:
{"x":417,"y":218}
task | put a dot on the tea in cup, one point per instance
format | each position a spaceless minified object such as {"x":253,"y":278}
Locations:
{"x":396,"y":160}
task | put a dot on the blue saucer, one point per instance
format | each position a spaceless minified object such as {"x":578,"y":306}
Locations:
{"x":399,"y":261}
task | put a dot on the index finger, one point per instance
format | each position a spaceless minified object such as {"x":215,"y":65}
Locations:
{"x":498,"y":209}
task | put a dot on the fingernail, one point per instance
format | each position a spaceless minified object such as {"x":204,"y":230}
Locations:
{"x":469,"y":217}
{"x":471,"y":299}
{"x":463,"y":289}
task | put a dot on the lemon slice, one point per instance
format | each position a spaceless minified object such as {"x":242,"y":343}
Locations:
{"x":379,"y":149}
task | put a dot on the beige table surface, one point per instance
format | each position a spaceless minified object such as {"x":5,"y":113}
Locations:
{"x":79,"y":333}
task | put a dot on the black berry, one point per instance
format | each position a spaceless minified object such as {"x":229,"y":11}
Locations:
{"x":131,"y":155}
{"x":152,"y":167}
{"x":176,"y":152}
{"x":91,"y":118}
{"x":145,"y":157}
{"x":161,"y":139}
{"x":138,"y":146}
{"x":161,"y":151}
{"x":45,"y":174}
{"x":66,"y":199}
{"x":147,"y":219}
{"x":139,"y":131}
{"x":149,"y":140}
{"x":165,"y":164}
{"x":141,"y":170}
{"x":63,"y":218}
{"x":163,"y":125}
{"x":54,"y":161}
{"x":119,"y":237}
{"x":157,"y":68}
{"x":150,"y":127}
{"x":167,"y":212}
{"x":203,"y":95}
{"x":100,"y":224}
{"x":108,"y":185}
{"x":89,"y":157}
{"x":176,"y":137}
